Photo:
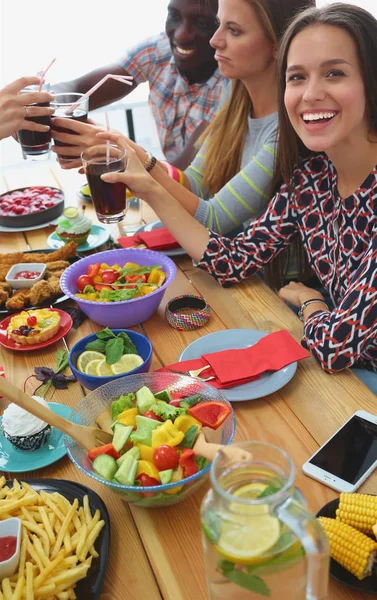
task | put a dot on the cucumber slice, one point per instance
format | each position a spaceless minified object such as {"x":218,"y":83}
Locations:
{"x":164,"y":395}
{"x":165,"y":476}
{"x":144,"y":399}
{"x":105,"y":466}
{"x":135,"y":452}
{"x":190,"y":401}
{"x":121,"y":435}
{"x":126,"y":473}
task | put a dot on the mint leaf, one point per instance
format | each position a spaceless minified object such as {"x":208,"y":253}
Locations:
{"x":97,"y":346}
{"x":114,"y":350}
{"x":128,"y":345}
{"x":105,"y":333}
{"x":272,"y":488}
{"x":244,"y":580}
{"x":201,"y":462}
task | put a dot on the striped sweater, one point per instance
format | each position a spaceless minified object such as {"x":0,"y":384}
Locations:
{"x":246,"y":195}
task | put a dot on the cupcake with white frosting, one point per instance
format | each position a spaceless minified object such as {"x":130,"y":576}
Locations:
{"x":73,"y":226}
{"x":24,"y":430}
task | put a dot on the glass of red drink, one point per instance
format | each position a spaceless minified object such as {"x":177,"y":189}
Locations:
{"x":63,"y":102}
{"x":109,"y":199}
{"x":36,"y":145}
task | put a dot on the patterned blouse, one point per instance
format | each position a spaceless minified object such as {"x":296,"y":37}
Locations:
{"x":340,"y":239}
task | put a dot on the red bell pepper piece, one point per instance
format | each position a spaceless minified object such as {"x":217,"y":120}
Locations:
{"x":187,"y":462}
{"x":93,"y":270}
{"x":106,"y":449}
{"x":147,"y":481}
{"x":210,"y":414}
{"x":135,"y":278}
{"x":175,"y":402}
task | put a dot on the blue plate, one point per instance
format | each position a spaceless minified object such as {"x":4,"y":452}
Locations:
{"x":98,"y":236}
{"x":268,"y":383}
{"x":19,"y":461}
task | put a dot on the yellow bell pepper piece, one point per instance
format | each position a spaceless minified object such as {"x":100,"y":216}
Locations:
{"x":116,"y":267}
{"x":105,"y":266}
{"x":128,"y":416}
{"x":184,"y":422}
{"x":156,"y":276}
{"x":144,"y":466}
{"x":146,"y":452}
{"x":166,"y":434}
{"x":177,"y":476}
{"x":147,"y":289}
{"x":92,"y":296}
{"x":131,"y":265}
{"x":97,"y":279}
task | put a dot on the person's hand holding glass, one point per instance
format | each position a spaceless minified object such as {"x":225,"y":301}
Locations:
{"x":17,"y":111}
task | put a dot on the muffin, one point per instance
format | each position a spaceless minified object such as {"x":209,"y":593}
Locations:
{"x":73,"y":226}
{"x":34,"y":326}
{"x":22,"y":429}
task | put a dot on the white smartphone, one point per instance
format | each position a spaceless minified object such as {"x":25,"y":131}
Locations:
{"x":349,"y":456}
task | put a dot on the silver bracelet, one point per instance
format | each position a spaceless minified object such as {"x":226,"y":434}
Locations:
{"x":305,"y":304}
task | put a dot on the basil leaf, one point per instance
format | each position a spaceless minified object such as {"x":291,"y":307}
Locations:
{"x":97,"y":346}
{"x":114,"y":350}
{"x":128,"y":345}
{"x":244,"y":580}
{"x":105,"y":333}
{"x":201,"y":462}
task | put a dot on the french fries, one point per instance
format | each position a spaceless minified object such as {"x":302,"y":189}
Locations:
{"x":57,"y":545}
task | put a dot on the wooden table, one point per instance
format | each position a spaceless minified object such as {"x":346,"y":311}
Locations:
{"x":157,"y":553}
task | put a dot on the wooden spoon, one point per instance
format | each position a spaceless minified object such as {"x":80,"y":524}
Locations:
{"x":208,"y":450}
{"x":87,"y":437}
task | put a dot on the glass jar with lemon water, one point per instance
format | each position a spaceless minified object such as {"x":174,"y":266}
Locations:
{"x":259,"y":539}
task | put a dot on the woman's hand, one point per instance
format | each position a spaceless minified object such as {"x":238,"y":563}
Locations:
{"x":83,"y":135}
{"x":13,"y":111}
{"x":297,"y":293}
{"x":137,"y":179}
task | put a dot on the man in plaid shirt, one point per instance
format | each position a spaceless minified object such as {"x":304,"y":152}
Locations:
{"x":184,"y":81}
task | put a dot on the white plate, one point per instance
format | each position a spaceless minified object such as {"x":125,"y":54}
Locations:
{"x":158,"y":225}
{"x":268,"y":382}
{"x":17,"y":229}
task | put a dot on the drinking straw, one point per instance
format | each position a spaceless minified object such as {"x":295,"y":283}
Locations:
{"x":122,"y":78}
{"x":107,"y":141}
{"x":44,"y":73}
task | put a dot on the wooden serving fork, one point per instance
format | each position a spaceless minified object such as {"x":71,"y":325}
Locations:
{"x":87,"y":437}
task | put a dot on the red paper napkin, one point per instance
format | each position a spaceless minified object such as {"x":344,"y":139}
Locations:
{"x":158,"y":239}
{"x":239,"y":366}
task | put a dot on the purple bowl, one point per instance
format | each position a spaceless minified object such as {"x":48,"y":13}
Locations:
{"x":129,"y":312}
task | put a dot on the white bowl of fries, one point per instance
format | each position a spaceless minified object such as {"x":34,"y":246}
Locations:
{"x":58,"y":541}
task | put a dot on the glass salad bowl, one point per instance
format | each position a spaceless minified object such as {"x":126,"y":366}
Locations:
{"x":95,"y":409}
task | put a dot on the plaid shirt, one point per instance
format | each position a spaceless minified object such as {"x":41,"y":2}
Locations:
{"x":178,"y":108}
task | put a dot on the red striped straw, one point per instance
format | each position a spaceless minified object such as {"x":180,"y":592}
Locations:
{"x":122,"y":78}
{"x":108,"y":141}
{"x":44,"y":73}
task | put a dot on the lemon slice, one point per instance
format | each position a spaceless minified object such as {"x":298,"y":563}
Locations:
{"x":127,"y":363}
{"x":86,"y":357}
{"x":243,"y":540}
{"x":70,"y":212}
{"x":85,"y":190}
{"x":250,"y":491}
{"x":91,"y":367}
{"x":103,"y":369}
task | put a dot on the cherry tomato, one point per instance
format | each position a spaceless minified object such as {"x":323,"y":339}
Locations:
{"x":83,"y":281}
{"x":165,"y":457}
{"x":151,"y":415}
{"x":135,"y":278}
{"x":32,"y":320}
{"x":109,"y":276}
{"x":147,"y":481}
{"x":93,"y":270}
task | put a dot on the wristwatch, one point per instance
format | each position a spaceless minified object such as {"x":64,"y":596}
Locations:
{"x":300,"y":313}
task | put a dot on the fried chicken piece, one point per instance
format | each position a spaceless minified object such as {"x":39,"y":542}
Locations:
{"x":49,"y":274}
{"x":19,"y":300}
{"x":5,"y":291}
{"x":61,"y":254}
{"x":3,"y":271}
{"x":54,"y":283}
{"x":40,"y":292}
{"x":10,"y":259}
{"x":57,"y":265}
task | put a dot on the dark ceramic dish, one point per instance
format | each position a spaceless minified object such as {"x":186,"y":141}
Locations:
{"x":90,"y":587}
{"x":36,"y":218}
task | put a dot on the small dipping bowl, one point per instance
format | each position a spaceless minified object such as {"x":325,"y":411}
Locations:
{"x":10,"y":527}
{"x":25,"y":283}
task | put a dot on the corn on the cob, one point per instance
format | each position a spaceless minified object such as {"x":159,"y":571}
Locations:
{"x":352,"y":549}
{"x":358,"y":510}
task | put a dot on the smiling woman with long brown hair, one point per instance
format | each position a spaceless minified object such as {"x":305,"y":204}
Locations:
{"x":328,"y":198}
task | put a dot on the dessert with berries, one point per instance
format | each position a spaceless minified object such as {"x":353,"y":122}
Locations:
{"x":34,"y":326}
{"x":30,"y":206}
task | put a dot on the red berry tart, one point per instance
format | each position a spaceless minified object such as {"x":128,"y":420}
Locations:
{"x":30,"y":206}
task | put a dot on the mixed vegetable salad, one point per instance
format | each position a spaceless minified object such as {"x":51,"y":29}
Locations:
{"x":113,"y":283}
{"x":154,"y":437}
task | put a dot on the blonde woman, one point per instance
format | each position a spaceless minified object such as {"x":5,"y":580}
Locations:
{"x":229,"y":181}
